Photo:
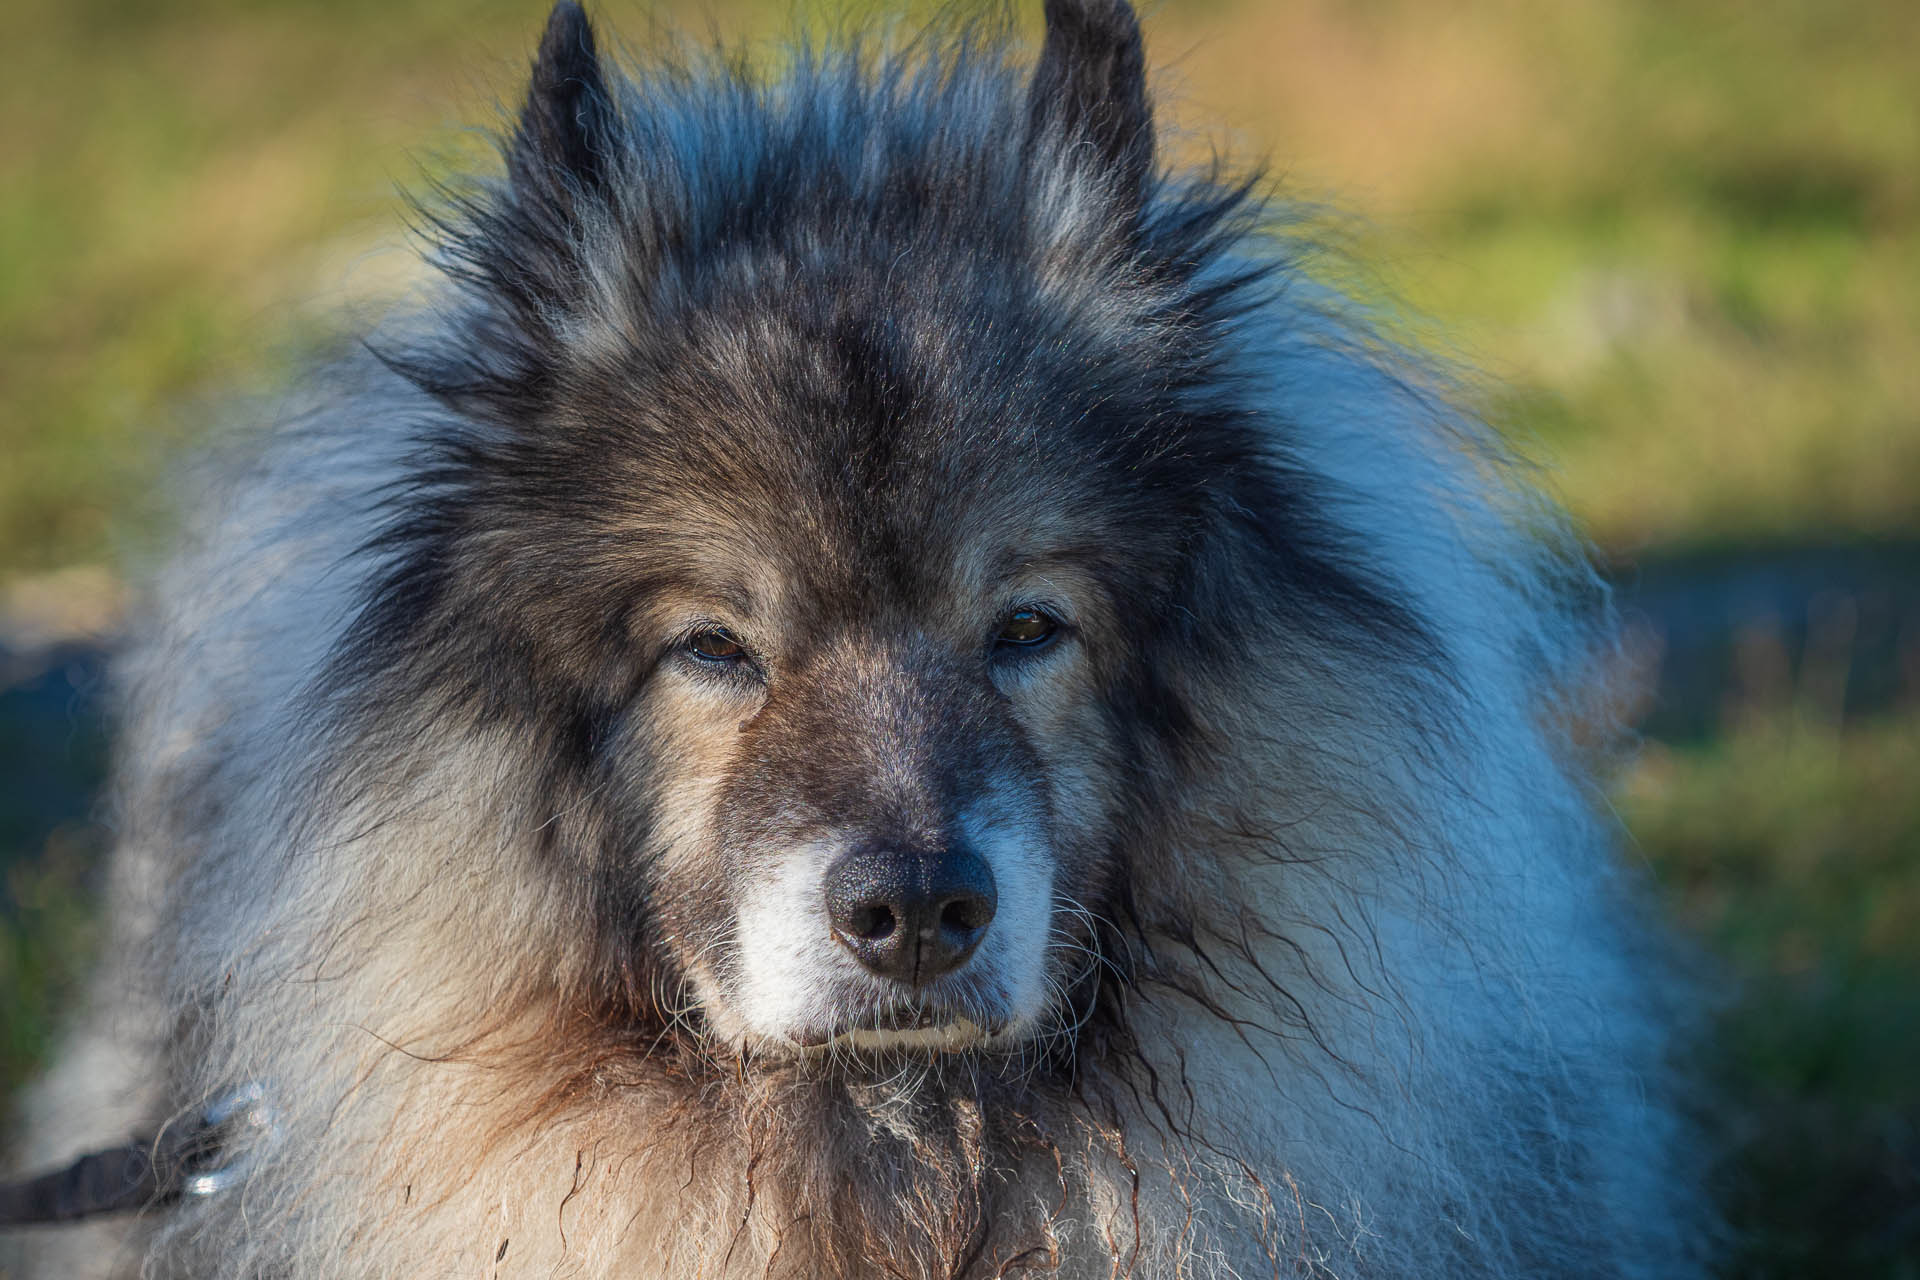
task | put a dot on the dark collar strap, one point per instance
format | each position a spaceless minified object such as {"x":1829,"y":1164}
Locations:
{"x":199,"y":1155}
{"x":116,"y":1181}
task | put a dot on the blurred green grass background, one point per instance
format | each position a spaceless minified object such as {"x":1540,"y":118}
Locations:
{"x":1681,"y":236}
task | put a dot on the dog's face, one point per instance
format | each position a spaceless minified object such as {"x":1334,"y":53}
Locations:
{"x":874,"y":603}
{"x":836,"y":536}
{"x":869,"y":596}
{"x":862,"y":774}
{"x":872,"y":779}
{"x":833,"y":565}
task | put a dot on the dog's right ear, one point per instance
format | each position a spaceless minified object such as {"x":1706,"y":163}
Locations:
{"x":1090,"y":87}
{"x":561,"y":149}
{"x":517,"y":246}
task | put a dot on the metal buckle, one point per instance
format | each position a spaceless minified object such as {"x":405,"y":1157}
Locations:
{"x":240,"y":1118}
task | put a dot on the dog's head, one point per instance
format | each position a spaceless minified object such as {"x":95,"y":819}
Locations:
{"x":840,"y":487}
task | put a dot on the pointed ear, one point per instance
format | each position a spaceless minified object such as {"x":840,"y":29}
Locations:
{"x":1091,"y":86}
{"x":561,"y":145}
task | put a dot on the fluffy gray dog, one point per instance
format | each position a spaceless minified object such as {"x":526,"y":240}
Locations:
{"x":883,"y":686}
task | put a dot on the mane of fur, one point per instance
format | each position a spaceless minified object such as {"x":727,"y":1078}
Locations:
{"x":1369,"y":998}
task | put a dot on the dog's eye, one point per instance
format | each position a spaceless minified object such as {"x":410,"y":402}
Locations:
{"x":716,"y":644}
{"x":1027,"y":629}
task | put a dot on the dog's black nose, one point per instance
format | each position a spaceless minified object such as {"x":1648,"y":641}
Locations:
{"x":909,"y":915}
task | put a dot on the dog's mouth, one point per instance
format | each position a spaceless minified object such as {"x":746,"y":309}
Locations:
{"x":921,"y":1028}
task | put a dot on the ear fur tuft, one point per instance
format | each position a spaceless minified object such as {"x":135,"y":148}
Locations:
{"x":1090,"y":85}
{"x":560,"y":147}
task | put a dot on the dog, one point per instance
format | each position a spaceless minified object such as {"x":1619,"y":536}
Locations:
{"x":881,"y":684}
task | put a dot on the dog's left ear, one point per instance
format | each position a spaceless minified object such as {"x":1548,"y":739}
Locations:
{"x":1090,"y":87}
{"x":561,"y":148}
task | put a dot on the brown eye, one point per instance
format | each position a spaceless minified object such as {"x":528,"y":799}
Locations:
{"x":716,"y":645}
{"x":1027,"y":629}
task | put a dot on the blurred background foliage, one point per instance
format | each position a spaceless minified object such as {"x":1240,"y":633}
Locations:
{"x":1682,"y":238}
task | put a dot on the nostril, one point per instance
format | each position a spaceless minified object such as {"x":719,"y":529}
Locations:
{"x":964,"y":915}
{"x":872,"y":923}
